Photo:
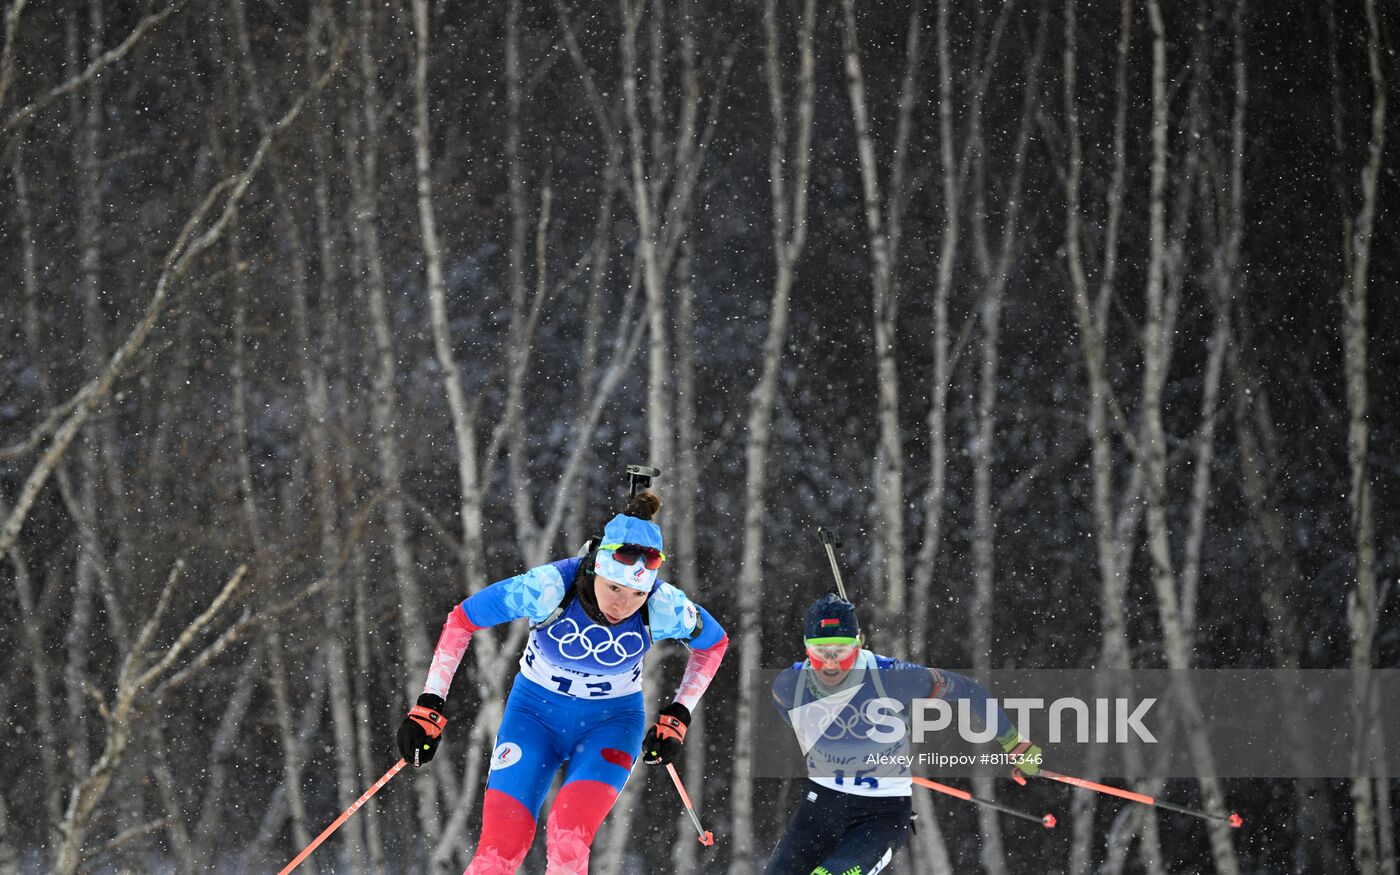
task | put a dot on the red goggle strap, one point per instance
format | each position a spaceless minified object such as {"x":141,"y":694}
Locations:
{"x":431,"y":721}
{"x":669,"y":727}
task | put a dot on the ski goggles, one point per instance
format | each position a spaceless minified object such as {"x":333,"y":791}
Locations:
{"x":829,"y":653}
{"x":630,"y":554}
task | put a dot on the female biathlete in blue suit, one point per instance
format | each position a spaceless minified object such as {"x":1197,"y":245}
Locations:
{"x":577,"y":700}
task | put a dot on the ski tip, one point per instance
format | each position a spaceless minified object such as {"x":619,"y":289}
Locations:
{"x":1018,"y":777}
{"x":1235,"y":820}
{"x":1048,"y":821}
{"x":707,"y":838}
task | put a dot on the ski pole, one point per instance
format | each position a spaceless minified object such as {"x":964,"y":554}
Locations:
{"x":830,"y":543}
{"x":707,"y":838}
{"x":1234,"y":820}
{"x":344,"y":816}
{"x":1046,"y":820}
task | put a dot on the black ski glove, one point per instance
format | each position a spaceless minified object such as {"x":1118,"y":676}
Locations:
{"x":421,"y":730}
{"x":663,"y":742}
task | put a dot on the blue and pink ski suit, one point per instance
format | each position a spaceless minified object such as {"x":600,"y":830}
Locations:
{"x":577,"y":700}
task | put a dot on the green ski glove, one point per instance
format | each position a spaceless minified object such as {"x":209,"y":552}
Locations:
{"x":1026,"y":756}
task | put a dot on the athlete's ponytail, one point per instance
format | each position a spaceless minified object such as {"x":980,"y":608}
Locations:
{"x":643,"y":505}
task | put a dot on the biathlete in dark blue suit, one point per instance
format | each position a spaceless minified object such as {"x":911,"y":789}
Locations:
{"x":855,"y":810}
{"x":577,"y":701}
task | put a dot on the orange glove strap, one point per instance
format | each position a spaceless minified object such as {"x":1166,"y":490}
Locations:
{"x":431,"y":721}
{"x":669,"y":727}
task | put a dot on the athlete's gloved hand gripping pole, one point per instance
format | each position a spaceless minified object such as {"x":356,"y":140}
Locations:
{"x":418,"y":740}
{"x":1027,"y":755}
{"x":661,"y":747}
{"x":663,"y":742}
{"x":421,"y":730}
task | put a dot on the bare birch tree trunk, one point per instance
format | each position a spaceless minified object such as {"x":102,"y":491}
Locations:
{"x":645,"y":198}
{"x":645,"y":191}
{"x":1114,"y":521}
{"x":463,"y":414}
{"x":464,"y":427}
{"x":1358,"y":228}
{"x":1158,"y":330}
{"x":347,"y":686}
{"x":517,"y":355}
{"x":207,"y":830}
{"x":609,"y":127}
{"x":994,"y":273}
{"x":926,"y":563}
{"x":32,"y":626}
{"x":788,"y":170}
{"x":955,"y":162}
{"x":367,"y":750}
{"x":383,"y":412}
{"x":684,"y":536}
{"x":90,"y":500}
{"x":41,"y":672}
{"x":343,"y":691}
{"x":663,"y":182}
{"x":105,"y":472}
{"x":1257,"y":459}
{"x":884,"y":215}
{"x":247,"y":496}
{"x":85,"y":113}
{"x":292,"y":753}
{"x":982,"y":604}
{"x":277,"y":809}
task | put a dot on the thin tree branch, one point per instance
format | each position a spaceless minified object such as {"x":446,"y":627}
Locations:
{"x":77,"y":81}
{"x":177,"y":260}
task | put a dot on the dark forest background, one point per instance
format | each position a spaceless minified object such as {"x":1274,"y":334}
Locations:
{"x":1075,"y":320}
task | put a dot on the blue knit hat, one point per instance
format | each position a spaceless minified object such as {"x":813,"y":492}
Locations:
{"x":624,"y":529}
{"x":831,"y":617}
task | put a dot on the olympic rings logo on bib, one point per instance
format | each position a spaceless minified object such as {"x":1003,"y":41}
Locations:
{"x":845,"y":722}
{"x":595,"y":642}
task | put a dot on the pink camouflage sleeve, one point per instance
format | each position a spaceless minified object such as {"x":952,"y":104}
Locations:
{"x":699,"y":671}
{"x":447,"y":656}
